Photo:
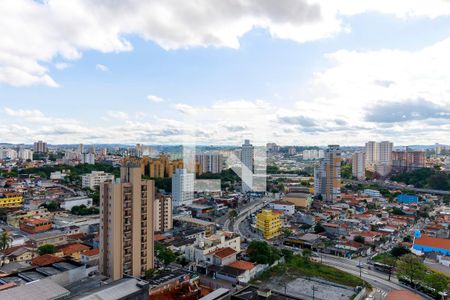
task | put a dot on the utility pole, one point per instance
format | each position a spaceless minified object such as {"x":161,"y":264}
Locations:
{"x":313,"y":290}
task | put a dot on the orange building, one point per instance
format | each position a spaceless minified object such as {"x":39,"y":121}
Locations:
{"x":33,"y":225}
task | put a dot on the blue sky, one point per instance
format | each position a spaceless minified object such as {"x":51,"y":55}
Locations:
{"x":325,"y":86}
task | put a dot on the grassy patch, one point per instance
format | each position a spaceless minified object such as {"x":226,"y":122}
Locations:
{"x":300,"y":267}
{"x":382,"y":256}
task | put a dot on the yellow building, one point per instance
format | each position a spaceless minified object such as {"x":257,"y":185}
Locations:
{"x":11,"y":200}
{"x":269,"y":223}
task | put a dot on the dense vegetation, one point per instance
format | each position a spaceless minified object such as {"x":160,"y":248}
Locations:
{"x":262,"y":253}
{"x":425,"y":178}
{"x":75,"y":171}
{"x":83,"y":210}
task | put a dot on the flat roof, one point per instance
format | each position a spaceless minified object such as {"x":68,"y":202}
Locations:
{"x":115,"y":290}
{"x":41,"y":289}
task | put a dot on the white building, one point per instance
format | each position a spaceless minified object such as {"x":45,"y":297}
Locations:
{"x":68,"y":203}
{"x":8,"y":154}
{"x":359,"y":165}
{"x":182,"y":187}
{"x":94,"y":179}
{"x":372,"y":193}
{"x":199,"y":251}
{"x":379,"y":157}
{"x":247,"y":160}
{"x":25,"y":154}
{"x":313,"y":154}
{"x":88,"y":158}
{"x":286,"y":207}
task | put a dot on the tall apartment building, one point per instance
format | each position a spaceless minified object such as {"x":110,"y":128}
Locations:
{"x":163,"y":219}
{"x":408,"y":160}
{"x":182,"y":187}
{"x":359,"y":165}
{"x":379,"y":157}
{"x":162,"y":167}
{"x":88,"y":158}
{"x":25,"y":154}
{"x":247,"y":160}
{"x":95,"y":178}
{"x":327,"y":175}
{"x":126,"y":224}
{"x":210,"y":162}
{"x":272,"y":148}
{"x":313,"y":154}
{"x":40,"y":147}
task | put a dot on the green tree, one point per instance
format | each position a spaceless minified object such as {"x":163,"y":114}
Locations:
{"x":359,"y":239}
{"x":46,"y":249}
{"x":164,"y":254}
{"x":149,"y":274}
{"x":439,"y":282}
{"x":408,"y":239}
{"x":319,"y":228}
{"x":391,"y":262}
{"x":306,"y":254}
{"x":51,"y":206}
{"x":262,"y":253}
{"x":5,"y":240}
{"x":411,"y":267}
{"x":287,"y":254}
{"x":399,"y":251}
{"x":232,"y":214}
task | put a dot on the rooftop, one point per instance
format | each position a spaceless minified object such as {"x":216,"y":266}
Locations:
{"x":433,"y":242}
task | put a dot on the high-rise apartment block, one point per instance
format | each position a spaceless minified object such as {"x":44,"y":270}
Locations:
{"x":247,"y":161}
{"x":408,"y":160}
{"x":25,"y":154}
{"x":182,"y":187}
{"x":327,"y":175}
{"x":163,"y":220}
{"x":126,"y":224}
{"x":379,"y":157}
{"x":359,"y":165}
{"x":210,"y":162}
{"x":313,"y":154}
{"x":40,"y":147}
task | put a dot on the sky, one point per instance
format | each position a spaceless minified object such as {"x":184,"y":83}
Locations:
{"x":294,"y":72}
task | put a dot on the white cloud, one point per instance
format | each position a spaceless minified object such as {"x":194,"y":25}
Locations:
{"x":155,"y":99}
{"x":101,"y":67}
{"x":35,"y":33}
{"x":62,"y":66}
{"x":119,"y":115}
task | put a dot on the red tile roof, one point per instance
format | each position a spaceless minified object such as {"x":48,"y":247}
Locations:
{"x":242,"y":265}
{"x":76,"y":236}
{"x":73,"y":248}
{"x":402,"y":295}
{"x":433,"y":242}
{"x":44,"y":260}
{"x":224,"y":252}
{"x":91,"y":252}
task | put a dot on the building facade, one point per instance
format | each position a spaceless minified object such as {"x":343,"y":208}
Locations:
{"x":163,"y":219}
{"x":247,"y":161}
{"x":95,"y":178}
{"x":327,"y":175}
{"x":268,"y":223}
{"x":126,"y":224}
{"x":407,"y":161}
{"x":359,"y":165}
{"x":182,"y":187}
{"x":40,"y":147}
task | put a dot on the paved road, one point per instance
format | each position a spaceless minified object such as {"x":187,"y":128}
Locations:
{"x":397,"y":186}
{"x":256,"y":205}
{"x":378,"y":280}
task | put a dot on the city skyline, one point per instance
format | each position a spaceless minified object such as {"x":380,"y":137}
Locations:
{"x":299,"y":72}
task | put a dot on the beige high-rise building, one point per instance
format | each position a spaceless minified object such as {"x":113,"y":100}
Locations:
{"x":358,"y":165}
{"x":163,"y":220}
{"x":126,"y":224}
{"x":327,"y":175}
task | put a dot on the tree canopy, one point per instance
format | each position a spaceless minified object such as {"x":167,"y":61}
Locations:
{"x":262,"y":253}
